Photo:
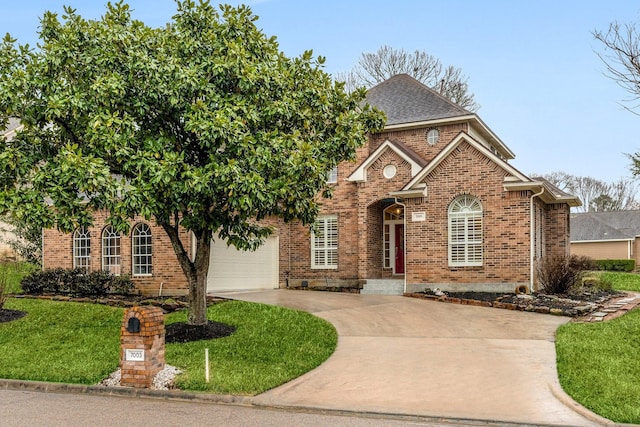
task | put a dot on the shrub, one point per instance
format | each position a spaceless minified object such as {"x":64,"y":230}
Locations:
{"x":596,"y":280}
{"x":557,"y":274}
{"x":76,"y":283}
{"x":626,"y":265}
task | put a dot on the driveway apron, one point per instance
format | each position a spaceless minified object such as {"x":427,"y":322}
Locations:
{"x":399,"y":355}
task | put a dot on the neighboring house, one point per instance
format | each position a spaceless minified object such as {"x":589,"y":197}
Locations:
{"x":432,"y":201}
{"x":606,"y":235}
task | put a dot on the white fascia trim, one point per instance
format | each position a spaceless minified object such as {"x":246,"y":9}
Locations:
{"x":469,"y":117}
{"x":410,"y":194}
{"x":535,"y":186}
{"x":411,"y":125}
{"x":509,"y":154}
{"x":600,"y":241}
{"x":464,"y":137}
{"x":360,"y":174}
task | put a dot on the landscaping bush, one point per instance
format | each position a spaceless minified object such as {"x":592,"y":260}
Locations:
{"x":626,"y":265}
{"x":596,"y":280}
{"x":558,"y":274}
{"x":76,"y":283}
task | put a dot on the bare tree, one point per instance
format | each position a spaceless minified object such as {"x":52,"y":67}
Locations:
{"x":375,"y":67}
{"x":562,"y":180}
{"x":597,"y":195}
{"x":621,"y":56}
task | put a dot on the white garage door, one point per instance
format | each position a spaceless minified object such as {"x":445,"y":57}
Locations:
{"x":231,"y":269}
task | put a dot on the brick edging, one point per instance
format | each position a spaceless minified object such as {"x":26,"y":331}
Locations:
{"x":495,"y":304}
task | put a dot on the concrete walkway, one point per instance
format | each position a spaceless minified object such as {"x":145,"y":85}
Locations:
{"x":399,"y":355}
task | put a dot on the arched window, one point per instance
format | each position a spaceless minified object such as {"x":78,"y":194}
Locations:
{"x":142,"y":250}
{"x":82,"y":249}
{"x":465,"y":232}
{"x":111,"y":250}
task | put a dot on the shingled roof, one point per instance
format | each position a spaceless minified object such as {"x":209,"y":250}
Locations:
{"x":406,"y":100}
{"x":594,"y":226}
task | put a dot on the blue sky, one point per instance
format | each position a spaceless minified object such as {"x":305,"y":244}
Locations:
{"x":531,"y":64}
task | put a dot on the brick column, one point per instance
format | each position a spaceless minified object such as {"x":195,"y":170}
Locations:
{"x":141,"y":346}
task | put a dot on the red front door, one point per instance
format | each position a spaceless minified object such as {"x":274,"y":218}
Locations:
{"x":399,"y":234}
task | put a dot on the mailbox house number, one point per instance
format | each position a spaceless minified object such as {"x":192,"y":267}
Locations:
{"x":134,"y":355}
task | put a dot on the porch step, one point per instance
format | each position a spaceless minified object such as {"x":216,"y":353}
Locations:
{"x":383,"y":287}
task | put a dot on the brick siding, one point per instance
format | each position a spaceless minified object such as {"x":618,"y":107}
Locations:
{"x":167,"y":277}
{"x":359,"y":207}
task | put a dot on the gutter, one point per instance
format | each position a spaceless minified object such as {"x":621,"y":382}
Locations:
{"x":532,"y":237}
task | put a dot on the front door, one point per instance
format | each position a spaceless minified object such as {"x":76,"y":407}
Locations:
{"x":399,"y":246}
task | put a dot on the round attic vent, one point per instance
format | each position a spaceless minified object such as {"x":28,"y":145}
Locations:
{"x":432,"y":136}
{"x":389,"y":171}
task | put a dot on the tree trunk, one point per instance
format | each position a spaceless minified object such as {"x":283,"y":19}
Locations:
{"x":197,"y":312}
{"x":195,"y":271}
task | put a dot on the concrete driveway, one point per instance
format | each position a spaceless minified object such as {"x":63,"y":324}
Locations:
{"x":400,"y":355}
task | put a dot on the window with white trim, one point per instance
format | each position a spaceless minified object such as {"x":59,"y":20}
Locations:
{"x":324,"y":243}
{"x":142,"y":250}
{"x":465,"y":232}
{"x":82,"y":249}
{"x":111,"y":250}
{"x":332,"y":176}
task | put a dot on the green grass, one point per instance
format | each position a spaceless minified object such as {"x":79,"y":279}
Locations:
{"x":80,"y":343}
{"x":599,"y":363}
{"x":271,"y":346}
{"x":60,"y":342}
{"x":622,"y":281}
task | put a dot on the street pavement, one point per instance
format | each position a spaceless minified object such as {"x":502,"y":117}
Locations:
{"x":20,"y":408}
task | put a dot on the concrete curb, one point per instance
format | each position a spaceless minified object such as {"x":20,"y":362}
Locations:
{"x":123,"y":392}
{"x":176,"y":395}
{"x":568,"y":401}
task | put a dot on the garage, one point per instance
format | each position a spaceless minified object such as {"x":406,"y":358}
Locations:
{"x":231,"y":269}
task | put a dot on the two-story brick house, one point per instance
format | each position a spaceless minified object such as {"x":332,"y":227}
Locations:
{"x":431,"y":201}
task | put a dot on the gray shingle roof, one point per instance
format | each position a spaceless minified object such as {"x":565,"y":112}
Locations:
{"x":406,"y":100}
{"x":618,"y":225}
{"x":558,"y":193}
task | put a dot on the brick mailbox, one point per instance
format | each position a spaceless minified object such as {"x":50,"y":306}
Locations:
{"x":141,"y":346}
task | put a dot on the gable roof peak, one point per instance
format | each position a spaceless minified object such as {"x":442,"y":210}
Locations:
{"x":407,"y":100}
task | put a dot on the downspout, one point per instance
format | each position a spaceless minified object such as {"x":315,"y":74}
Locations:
{"x":532,"y":248}
{"x":404,"y":239}
{"x":42,"y":248}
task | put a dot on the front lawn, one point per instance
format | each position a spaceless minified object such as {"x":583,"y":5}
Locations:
{"x":622,"y":281}
{"x":599,"y":363}
{"x":60,"y":342}
{"x":80,"y":343}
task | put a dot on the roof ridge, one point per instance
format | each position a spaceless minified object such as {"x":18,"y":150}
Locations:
{"x":404,"y":99}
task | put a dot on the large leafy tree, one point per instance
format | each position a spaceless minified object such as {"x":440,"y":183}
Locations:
{"x":202,"y":124}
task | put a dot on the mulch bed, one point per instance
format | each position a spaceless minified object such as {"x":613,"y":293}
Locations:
{"x":7,"y":315}
{"x":183,"y":332}
{"x":574,"y":304}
